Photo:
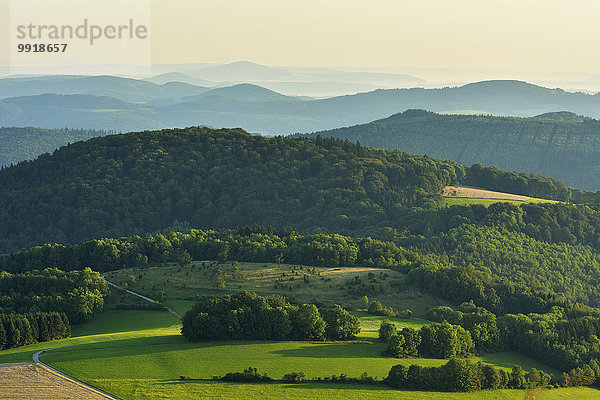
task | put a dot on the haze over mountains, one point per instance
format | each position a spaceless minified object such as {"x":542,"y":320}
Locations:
{"x":121,"y":104}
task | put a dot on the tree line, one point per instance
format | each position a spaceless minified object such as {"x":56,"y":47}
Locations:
{"x":246,"y":316}
{"x":249,"y":243}
{"x":459,"y":375}
{"x":22,"y":329}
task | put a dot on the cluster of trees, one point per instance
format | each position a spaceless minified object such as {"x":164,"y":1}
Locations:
{"x":22,"y":329}
{"x":566,"y":339}
{"x":79,"y":294}
{"x":478,"y":321}
{"x":246,"y":316}
{"x":459,"y":375}
{"x":250,"y":374}
{"x":433,"y":341}
{"x":526,"y":184}
{"x":251,"y":243}
{"x":376,"y":308}
{"x":139,"y":183}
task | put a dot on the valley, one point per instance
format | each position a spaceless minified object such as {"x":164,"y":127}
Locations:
{"x":151,"y":354}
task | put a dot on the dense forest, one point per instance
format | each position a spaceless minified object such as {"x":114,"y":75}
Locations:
{"x":561,"y":145}
{"x":78,"y":294}
{"x":40,"y":305}
{"x":21,"y":144}
{"x":144,"y":182}
{"x":139,"y":183}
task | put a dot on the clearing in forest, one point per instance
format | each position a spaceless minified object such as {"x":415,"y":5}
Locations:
{"x":475,"y":193}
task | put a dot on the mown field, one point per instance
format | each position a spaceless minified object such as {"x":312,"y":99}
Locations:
{"x":456,"y":201}
{"x":465,"y":196}
{"x":33,"y":382}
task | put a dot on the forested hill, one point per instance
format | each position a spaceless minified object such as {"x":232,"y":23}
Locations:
{"x":137,"y":183}
{"x":562,"y":145}
{"x":20,"y":144}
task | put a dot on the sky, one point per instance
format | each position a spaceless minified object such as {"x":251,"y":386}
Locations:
{"x":545,"y":36}
{"x":556,"y":35}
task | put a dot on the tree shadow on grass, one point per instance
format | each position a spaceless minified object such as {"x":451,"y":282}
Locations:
{"x":139,"y":346}
{"x":307,"y":385}
{"x":334,"y":350}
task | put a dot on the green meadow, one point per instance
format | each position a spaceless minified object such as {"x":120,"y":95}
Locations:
{"x":140,"y":355}
{"x":184,"y":390}
{"x":181,"y":285}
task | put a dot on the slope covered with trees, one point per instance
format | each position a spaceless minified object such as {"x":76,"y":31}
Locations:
{"x":20,"y":144}
{"x":562,"y":145}
{"x":143,"y":182}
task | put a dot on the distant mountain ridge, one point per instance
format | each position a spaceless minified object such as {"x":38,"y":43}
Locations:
{"x":124,"y":89}
{"x":561,"y":144}
{"x":243,"y":92}
{"x":258,"y":109}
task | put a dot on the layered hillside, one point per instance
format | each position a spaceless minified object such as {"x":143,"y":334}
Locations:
{"x":143,"y":182}
{"x":125,"y":104}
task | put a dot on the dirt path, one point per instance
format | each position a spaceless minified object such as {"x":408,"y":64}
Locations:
{"x":31,"y":381}
{"x":475,"y":193}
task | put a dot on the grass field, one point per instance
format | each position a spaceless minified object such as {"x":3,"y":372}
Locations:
{"x":184,"y":390}
{"x":325,"y":285}
{"x":141,"y":354}
{"x":369,"y":324}
{"x":108,"y":326}
{"x":146,"y":363}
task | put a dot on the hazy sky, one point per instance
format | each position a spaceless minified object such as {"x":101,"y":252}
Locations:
{"x":514,"y":34}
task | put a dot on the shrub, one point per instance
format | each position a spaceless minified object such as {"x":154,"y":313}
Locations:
{"x":249,"y":375}
{"x":386,"y":330}
{"x":294,"y":377}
